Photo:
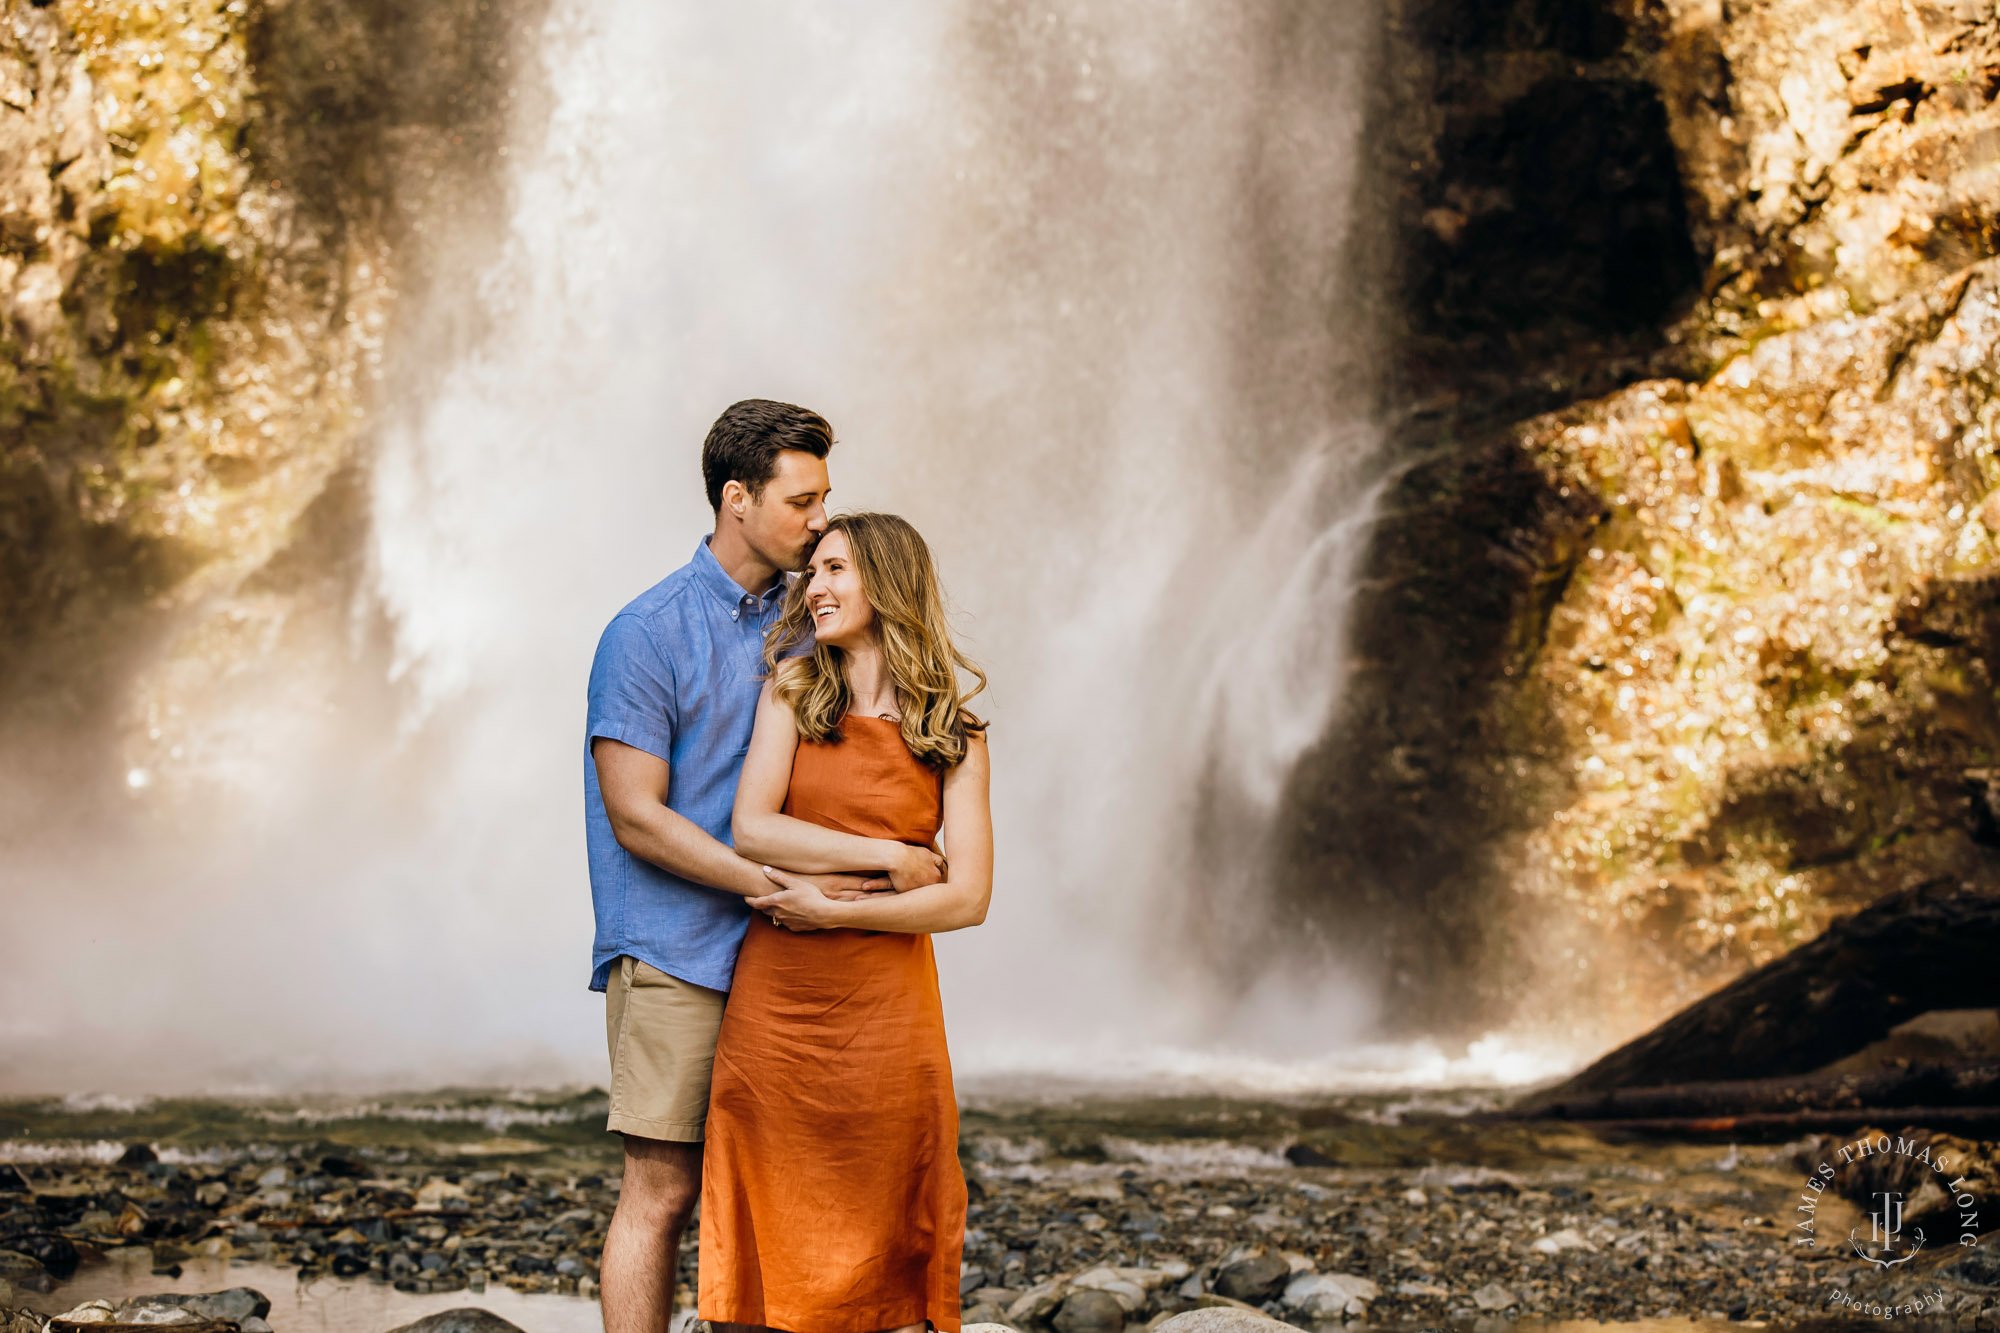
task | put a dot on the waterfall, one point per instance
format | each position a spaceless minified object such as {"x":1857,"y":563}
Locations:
{"x":1075,"y":284}
{"x":1072,"y":284}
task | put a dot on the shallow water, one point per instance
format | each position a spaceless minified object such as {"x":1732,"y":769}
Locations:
{"x":323,"y":1305}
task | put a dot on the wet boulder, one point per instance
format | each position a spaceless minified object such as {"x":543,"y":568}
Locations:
{"x":1087,"y":1310}
{"x":1330,"y":1295}
{"x":1254,"y":1280}
{"x":1221,"y":1319}
{"x":236,"y":1305}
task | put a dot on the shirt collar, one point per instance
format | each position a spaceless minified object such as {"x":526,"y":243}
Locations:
{"x":710,"y":573}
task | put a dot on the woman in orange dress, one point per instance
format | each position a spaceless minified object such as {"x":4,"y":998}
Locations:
{"x":832,"y":1200}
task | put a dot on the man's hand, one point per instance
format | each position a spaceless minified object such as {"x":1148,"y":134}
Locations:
{"x":915,"y":868}
{"x":797,"y":904}
{"x":846,"y":888}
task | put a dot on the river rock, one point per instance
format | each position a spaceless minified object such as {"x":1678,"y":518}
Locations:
{"x":1493,"y":1296}
{"x":1114,"y":1282}
{"x":16,"y":1320}
{"x":1255,"y":1280}
{"x":238,"y":1305}
{"x":1036,"y":1303}
{"x":24,"y":1272}
{"x":986,"y":1326}
{"x":1558,"y":1241}
{"x":1221,"y":1319}
{"x":1330,"y":1295}
{"x":90,"y":1312}
{"x":440,"y":1195}
{"x":464,"y":1319}
{"x":1086,"y":1310}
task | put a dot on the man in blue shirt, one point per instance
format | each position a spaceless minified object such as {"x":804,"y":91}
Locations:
{"x":673,"y":692}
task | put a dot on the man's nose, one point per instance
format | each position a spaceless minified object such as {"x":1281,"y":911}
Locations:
{"x":817,"y":523}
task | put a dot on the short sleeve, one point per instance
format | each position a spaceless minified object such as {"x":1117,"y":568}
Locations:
{"x":632,"y":694}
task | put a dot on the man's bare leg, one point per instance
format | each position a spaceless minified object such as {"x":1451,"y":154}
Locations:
{"x":642,"y":1245}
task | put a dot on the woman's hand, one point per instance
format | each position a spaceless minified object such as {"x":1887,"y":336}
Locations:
{"x":797,"y":903}
{"x":914,"y":867}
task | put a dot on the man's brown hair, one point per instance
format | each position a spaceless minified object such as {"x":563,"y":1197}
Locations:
{"x":744,"y":443}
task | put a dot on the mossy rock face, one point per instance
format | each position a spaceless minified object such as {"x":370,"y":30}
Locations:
{"x":1676,"y":641}
{"x":1743,"y":691}
{"x":206,"y":225}
{"x":181,"y":371}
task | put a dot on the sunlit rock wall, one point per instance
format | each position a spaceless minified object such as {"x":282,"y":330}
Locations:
{"x":1680,"y":631}
{"x":208,"y":209}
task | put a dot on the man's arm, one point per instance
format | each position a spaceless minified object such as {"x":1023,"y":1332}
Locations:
{"x":634,"y":784}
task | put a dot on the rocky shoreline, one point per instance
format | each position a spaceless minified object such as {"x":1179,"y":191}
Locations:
{"x":1078,"y":1232}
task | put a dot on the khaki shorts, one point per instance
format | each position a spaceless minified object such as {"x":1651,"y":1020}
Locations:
{"x":661,"y":1031}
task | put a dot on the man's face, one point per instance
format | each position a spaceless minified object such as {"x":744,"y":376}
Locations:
{"x":782,"y":523}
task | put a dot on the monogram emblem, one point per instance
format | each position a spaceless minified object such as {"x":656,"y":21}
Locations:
{"x":1885,"y":1228}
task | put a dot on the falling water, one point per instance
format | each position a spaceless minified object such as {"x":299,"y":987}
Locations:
{"x":1077,"y":285}
{"x":1073,"y":284}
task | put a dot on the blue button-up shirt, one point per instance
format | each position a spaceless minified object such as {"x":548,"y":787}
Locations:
{"x":676,"y":675}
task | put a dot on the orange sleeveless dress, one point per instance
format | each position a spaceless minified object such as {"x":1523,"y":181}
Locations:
{"x":831,"y":1195}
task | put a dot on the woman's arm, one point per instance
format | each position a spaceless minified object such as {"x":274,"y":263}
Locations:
{"x":954,"y":904}
{"x":762,"y":833}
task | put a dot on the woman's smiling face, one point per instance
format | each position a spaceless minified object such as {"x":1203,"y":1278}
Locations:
{"x":841,"y":614}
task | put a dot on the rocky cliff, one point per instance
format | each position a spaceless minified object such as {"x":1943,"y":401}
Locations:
{"x":1680,"y":634}
{"x":208,"y":210}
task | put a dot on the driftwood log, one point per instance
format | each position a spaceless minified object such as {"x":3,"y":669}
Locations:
{"x":1748,"y":1052}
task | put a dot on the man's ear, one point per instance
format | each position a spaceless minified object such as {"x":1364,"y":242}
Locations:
{"x":735,"y":497}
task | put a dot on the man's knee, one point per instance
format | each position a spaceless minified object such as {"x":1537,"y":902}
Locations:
{"x":662,"y":1181}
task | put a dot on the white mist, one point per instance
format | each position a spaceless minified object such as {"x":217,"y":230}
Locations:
{"x":1074,"y":284}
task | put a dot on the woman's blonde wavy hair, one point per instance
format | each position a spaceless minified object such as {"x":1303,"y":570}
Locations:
{"x":901,"y":585}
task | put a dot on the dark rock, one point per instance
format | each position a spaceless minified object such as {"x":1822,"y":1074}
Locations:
{"x":1254,"y":1280}
{"x":1090,"y":1312}
{"x":970,"y":1281}
{"x":11,"y":1180}
{"x":1979,"y":1267}
{"x":342,"y":1168}
{"x":1304,"y":1154}
{"x":139,"y":1154}
{"x":466,"y":1319}
{"x":1923,"y":949}
{"x":56,"y":1253}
